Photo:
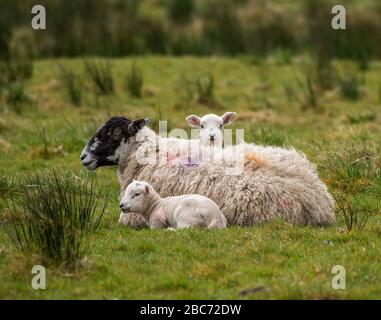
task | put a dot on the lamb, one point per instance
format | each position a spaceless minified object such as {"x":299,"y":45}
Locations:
{"x":276,"y":182}
{"x":177,"y":212}
{"x":211,"y":127}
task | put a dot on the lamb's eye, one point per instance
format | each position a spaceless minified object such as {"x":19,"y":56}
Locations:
{"x":220,"y":126}
{"x":202,"y":126}
{"x":135,"y":195}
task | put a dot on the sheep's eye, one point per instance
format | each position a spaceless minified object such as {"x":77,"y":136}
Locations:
{"x":202,"y":126}
{"x":116,"y":133}
{"x":220,"y":126}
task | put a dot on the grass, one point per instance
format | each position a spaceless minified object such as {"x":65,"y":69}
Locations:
{"x":288,"y":261}
{"x":268,"y":137}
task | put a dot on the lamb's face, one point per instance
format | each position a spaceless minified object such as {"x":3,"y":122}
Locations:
{"x":110,"y":142}
{"x":211,"y":127}
{"x":134,"y":198}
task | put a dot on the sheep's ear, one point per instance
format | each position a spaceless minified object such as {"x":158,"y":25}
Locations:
{"x":146,"y":188}
{"x":147,"y":122}
{"x":136,"y":125}
{"x":193,"y":121}
{"x":228,"y":117}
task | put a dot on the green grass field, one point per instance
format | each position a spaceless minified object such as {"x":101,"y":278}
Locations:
{"x":341,"y":135}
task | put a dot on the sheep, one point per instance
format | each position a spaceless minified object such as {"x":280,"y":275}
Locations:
{"x":275,"y":183}
{"x":177,"y":212}
{"x":211,"y":127}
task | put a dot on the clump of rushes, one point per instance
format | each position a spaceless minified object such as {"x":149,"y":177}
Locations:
{"x":16,"y":96}
{"x":72,"y":84}
{"x":356,"y":210}
{"x":100,"y":74}
{"x":350,"y":86}
{"x":52,"y":215}
{"x":135,"y":81}
{"x":364,"y":117}
{"x":352,"y":168}
{"x":309,"y":91}
{"x":185,"y":89}
{"x":205,"y":89}
{"x":15,"y":71}
{"x":13,"y":74}
{"x":7,"y":185}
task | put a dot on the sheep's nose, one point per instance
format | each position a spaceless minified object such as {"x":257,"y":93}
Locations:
{"x":83,"y":156}
{"x":212,"y":137}
{"x":121,"y":205}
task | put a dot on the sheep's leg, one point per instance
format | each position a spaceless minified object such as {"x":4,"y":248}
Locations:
{"x":133,"y":220}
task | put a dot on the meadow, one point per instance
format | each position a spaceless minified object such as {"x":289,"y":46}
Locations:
{"x":331,"y":113}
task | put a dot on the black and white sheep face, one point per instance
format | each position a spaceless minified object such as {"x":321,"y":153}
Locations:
{"x":110,"y":141}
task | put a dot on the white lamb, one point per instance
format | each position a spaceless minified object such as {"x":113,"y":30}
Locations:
{"x":211,"y":127}
{"x":191,"y":210}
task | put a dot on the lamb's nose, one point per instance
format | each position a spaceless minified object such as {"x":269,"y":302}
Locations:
{"x":83,"y":156}
{"x":212,"y":137}
{"x":121,"y":205}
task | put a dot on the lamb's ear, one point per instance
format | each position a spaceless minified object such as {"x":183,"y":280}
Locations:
{"x":136,"y":125}
{"x":193,"y":121}
{"x":228,"y":117}
{"x":146,"y":188}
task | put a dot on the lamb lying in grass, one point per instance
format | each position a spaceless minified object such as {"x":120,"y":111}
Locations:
{"x":211,"y":127}
{"x":178,"y":212}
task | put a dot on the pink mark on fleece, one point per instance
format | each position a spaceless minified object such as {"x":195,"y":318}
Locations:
{"x":172,"y":158}
{"x":190,"y":163}
{"x":178,"y":160}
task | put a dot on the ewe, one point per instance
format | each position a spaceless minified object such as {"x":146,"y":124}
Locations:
{"x":178,"y":212}
{"x":211,"y":127}
{"x":275,"y":183}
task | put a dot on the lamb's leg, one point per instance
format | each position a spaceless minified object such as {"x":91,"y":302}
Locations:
{"x":157,"y":223}
{"x":183,"y":225}
{"x":133,"y":220}
{"x":186,"y":216}
{"x":216,"y":224}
